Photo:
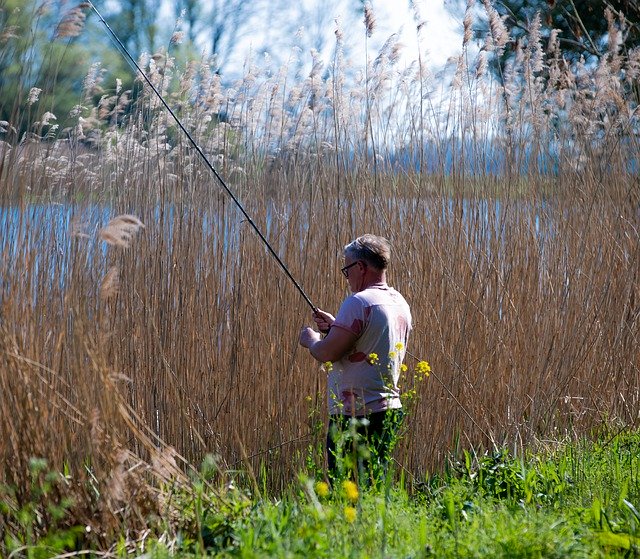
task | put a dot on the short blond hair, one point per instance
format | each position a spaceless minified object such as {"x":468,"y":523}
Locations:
{"x":374,"y":250}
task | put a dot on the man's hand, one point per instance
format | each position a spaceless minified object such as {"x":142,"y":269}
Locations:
{"x":323,"y":320}
{"x":308,"y":337}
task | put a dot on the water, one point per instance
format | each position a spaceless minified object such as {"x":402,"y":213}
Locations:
{"x":52,"y":237}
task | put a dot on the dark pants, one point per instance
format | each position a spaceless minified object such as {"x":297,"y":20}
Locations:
{"x":362,"y":449}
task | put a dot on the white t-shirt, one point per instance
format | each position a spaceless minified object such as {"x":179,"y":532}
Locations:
{"x":366,"y":379}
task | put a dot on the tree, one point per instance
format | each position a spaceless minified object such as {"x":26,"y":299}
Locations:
{"x":583,"y":27}
{"x":217,"y":27}
{"x":582,"y":24}
{"x":135,"y":22}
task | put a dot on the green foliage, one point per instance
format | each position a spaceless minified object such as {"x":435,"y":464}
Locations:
{"x":494,"y":506}
{"x":206,"y":520}
{"x":501,"y":476}
{"x":36,"y":520}
{"x":314,"y":457}
{"x":573,"y":500}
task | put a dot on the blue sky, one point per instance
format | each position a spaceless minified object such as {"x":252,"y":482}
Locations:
{"x":440,"y":36}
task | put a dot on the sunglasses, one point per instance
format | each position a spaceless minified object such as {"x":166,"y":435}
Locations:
{"x":345,"y":270}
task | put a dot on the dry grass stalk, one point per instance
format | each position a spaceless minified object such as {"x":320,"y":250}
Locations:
{"x":110,"y":283}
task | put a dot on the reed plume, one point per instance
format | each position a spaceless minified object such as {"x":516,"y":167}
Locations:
{"x":369,"y":19}
{"x":121,"y":230}
{"x":72,"y":23}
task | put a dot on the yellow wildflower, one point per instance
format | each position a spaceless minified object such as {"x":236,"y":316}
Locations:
{"x":308,"y":398}
{"x":350,"y":514}
{"x":328,"y":366}
{"x":322,"y":489}
{"x":373,"y":358}
{"x":403,"y":368}
{"x":350,"y":490}
{"x":409,"y":396}
{"x":392,"y":355}
{"x":423,"y":368}
{"x":399,"y":346}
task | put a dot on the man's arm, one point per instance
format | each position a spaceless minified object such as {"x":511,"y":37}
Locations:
{"x":331,"y":348}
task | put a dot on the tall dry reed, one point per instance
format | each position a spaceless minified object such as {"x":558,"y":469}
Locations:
{"x":511,"y":203}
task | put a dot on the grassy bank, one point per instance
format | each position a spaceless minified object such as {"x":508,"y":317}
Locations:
{"x":566,"y":500}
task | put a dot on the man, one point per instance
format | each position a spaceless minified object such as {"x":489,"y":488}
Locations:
{"x":363,"y":350}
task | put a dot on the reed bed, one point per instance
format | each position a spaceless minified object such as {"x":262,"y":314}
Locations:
{"x":512,"y":207}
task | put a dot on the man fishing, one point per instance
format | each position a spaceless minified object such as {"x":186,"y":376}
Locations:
{"x":363,"y":351}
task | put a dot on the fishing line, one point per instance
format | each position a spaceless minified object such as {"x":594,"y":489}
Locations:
{"x":206,"y":161}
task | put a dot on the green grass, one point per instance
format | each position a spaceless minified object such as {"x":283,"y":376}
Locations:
{"x":568,"y":503}
{"x":575,"y":499}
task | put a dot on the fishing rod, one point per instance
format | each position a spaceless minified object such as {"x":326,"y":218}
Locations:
{"x":205,"y":159}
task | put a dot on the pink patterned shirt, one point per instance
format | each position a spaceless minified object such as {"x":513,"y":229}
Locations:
{"x":365,"y":380}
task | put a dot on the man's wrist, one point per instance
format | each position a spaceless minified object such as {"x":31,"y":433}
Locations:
{"x":312,"y":347}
